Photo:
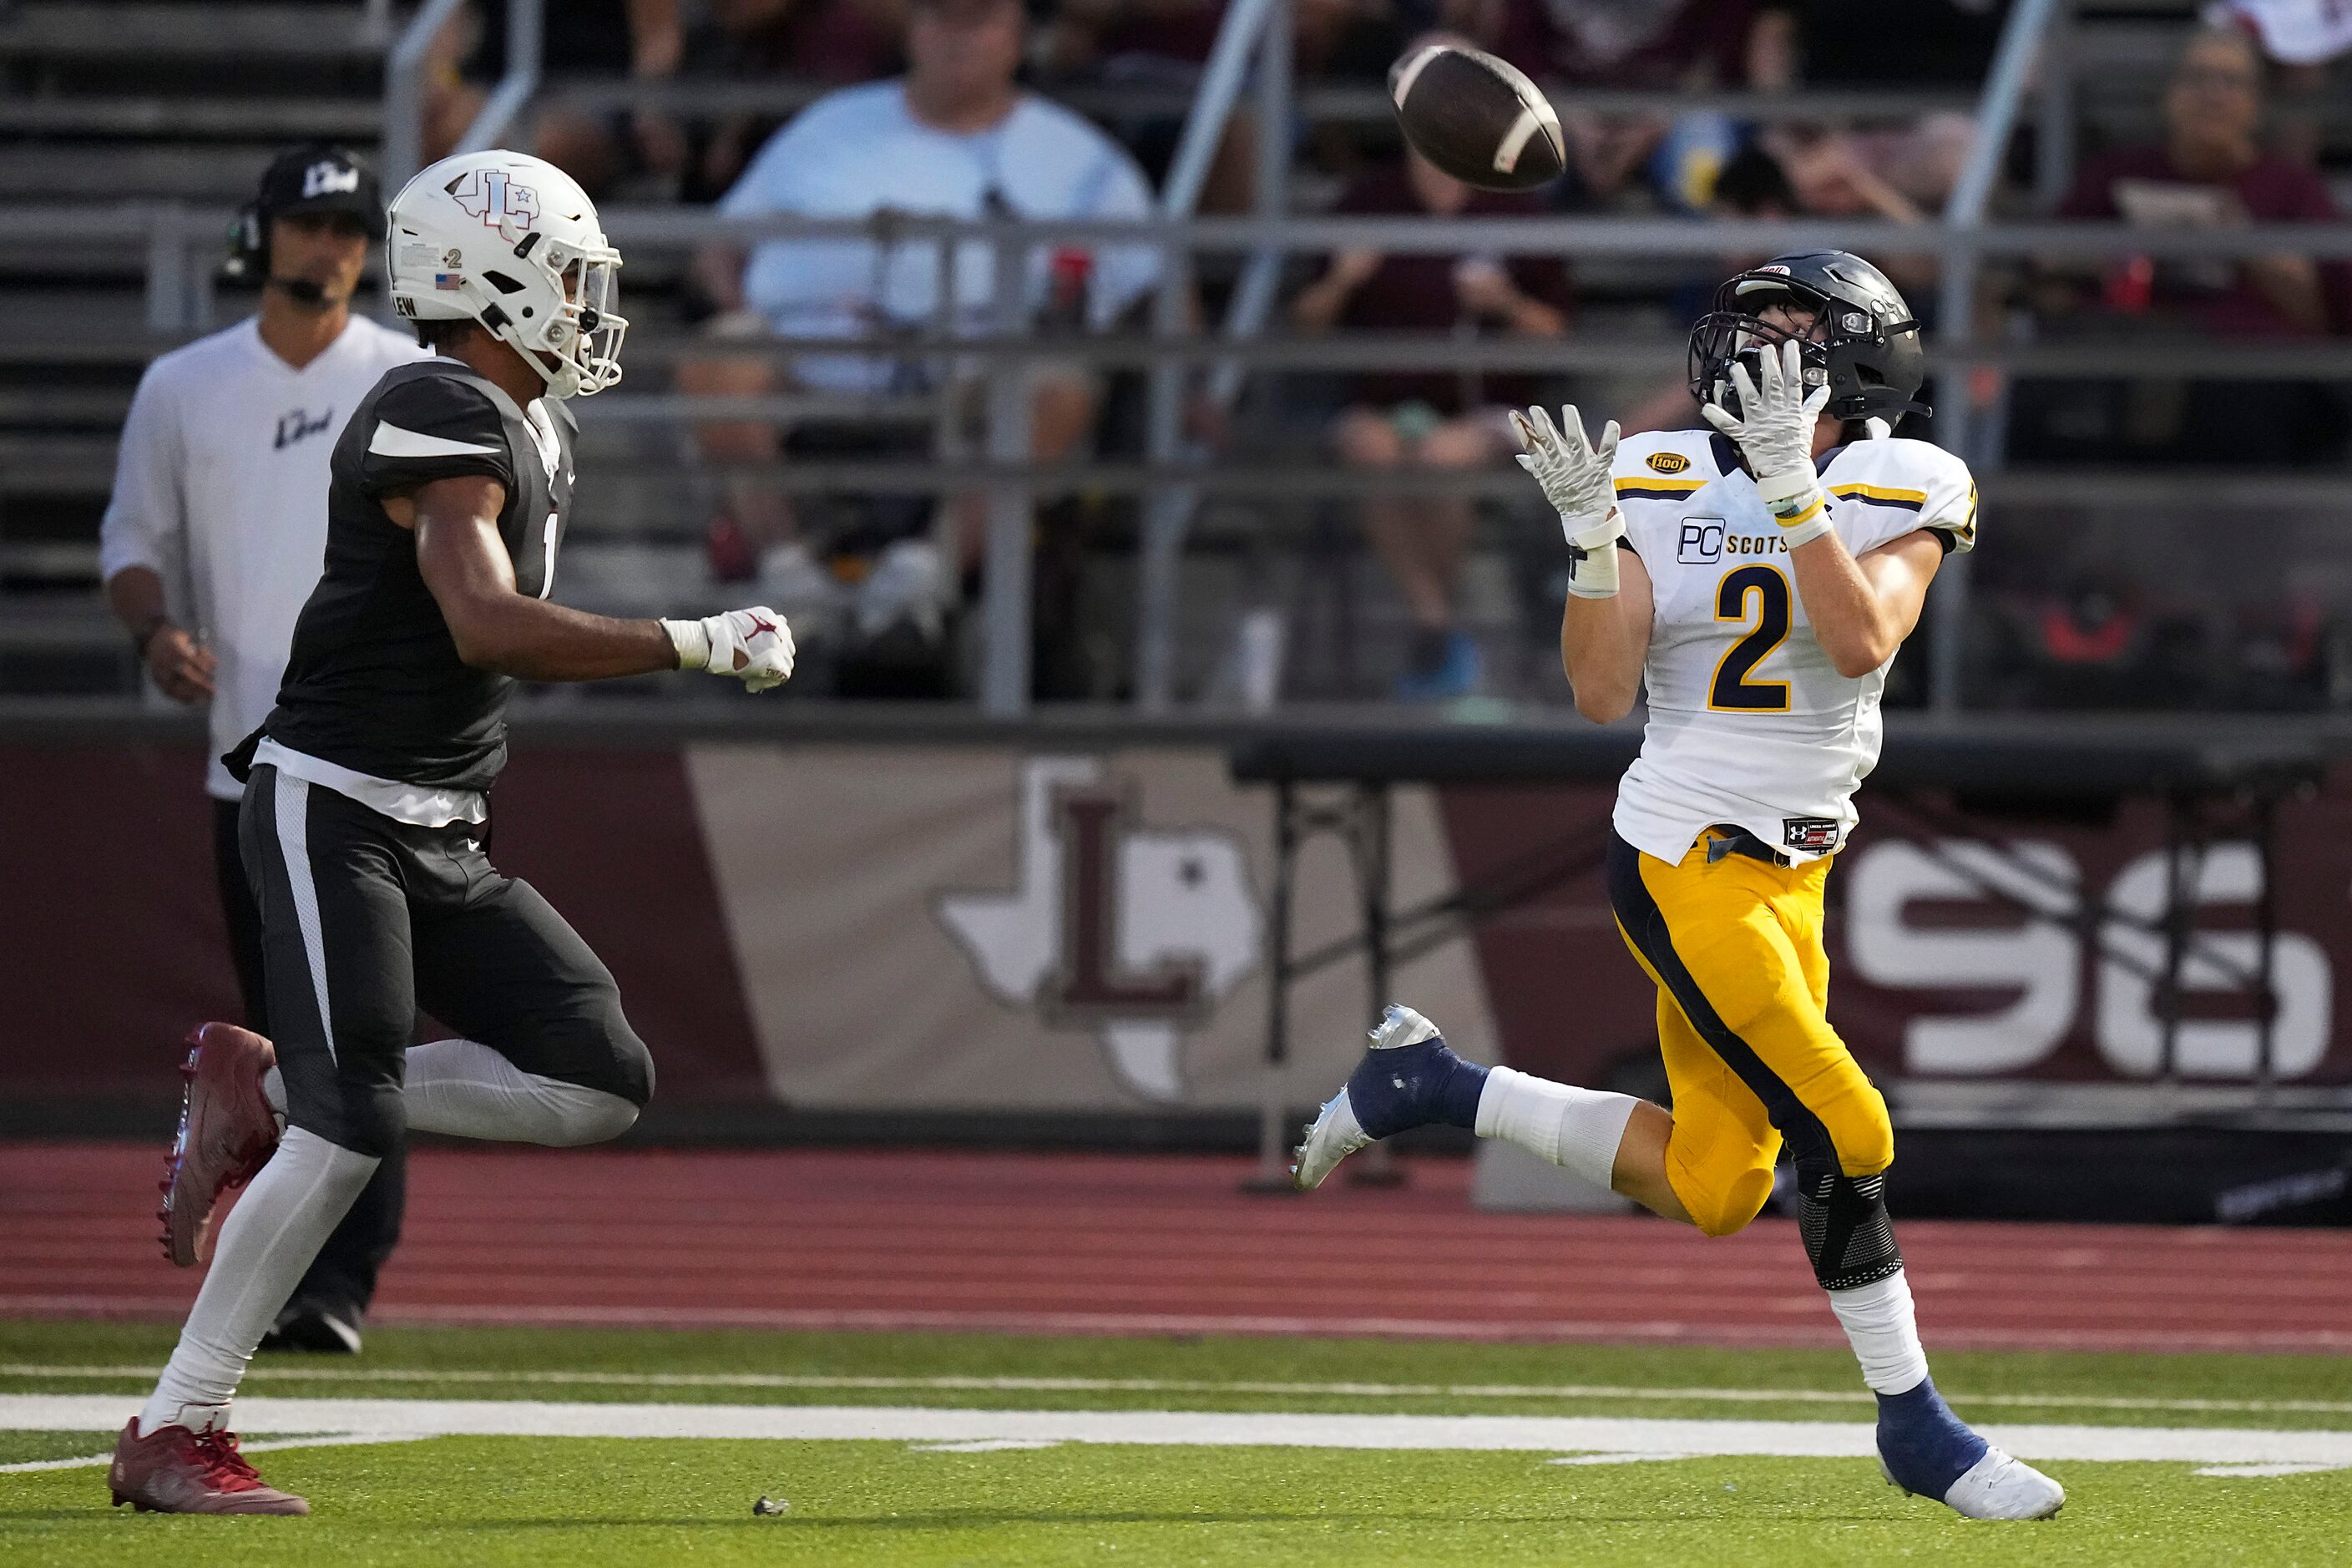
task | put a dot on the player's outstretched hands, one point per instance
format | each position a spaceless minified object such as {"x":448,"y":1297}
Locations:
{"x":1774,"y":426}
{"x":1573,"y":471}
{"x":753,"y":646}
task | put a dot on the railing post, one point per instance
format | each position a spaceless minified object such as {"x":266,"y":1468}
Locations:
{"x":167,"y":267}
{"x":2053,"y":123}
{"x":1160,"y":557}
{"x":524,"y":33}
{"x":1997,"y":112}
{"x":1247,"y":25}
{"x":1004,"y":585}
{"x":403,"y":150}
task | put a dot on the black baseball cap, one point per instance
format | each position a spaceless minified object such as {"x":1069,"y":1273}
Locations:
{"x":321,"y":178}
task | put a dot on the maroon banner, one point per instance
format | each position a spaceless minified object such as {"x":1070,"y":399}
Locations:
{"x":1958,"y":944}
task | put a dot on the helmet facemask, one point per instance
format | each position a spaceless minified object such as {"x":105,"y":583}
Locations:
{"x":1851,"y":349}
{"x":570,"y":327}
{"x":1735,"y":333}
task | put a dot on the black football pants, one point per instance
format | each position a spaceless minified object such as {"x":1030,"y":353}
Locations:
{"x":342,"y":1280}
{"x":365,"y":920}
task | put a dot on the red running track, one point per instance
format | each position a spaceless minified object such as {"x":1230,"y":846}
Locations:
{"x":1109,"y":1244}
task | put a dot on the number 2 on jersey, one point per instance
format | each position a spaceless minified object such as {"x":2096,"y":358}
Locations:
{"x":1733,"y":691}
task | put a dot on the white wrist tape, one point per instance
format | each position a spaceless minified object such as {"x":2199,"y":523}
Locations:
{"x":692,"y":642}
{"x":1796,"y":501}
{"x":1592,"y":553}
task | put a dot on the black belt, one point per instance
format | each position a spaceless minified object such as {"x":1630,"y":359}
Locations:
{"x":1730,"y":840}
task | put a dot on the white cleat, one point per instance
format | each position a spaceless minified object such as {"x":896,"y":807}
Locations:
{"x":1335,"y":1133}
{"x":1401,"y":1025}
{"x":1332,"y":1136}
{"x":1998,"y":1486}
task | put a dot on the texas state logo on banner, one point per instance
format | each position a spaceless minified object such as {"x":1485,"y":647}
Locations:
{"x":1131,"y":933}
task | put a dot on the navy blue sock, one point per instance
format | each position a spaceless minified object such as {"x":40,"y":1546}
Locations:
{"x":1926,"y":1447}
{"x":1412,"y":1086}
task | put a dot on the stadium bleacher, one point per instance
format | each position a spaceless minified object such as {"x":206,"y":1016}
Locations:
{"x":113,"y":112}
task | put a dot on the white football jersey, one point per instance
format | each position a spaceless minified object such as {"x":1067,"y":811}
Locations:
{"x":1750,"y":722}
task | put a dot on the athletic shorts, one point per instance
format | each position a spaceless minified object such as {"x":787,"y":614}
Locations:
{"x":365,"y":920}
{"x":1735,"y":945}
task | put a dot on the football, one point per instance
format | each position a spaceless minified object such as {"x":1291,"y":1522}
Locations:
{"x":1477,"y":117}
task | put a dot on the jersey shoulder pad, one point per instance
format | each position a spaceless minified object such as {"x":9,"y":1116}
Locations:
{"x":433,"y":426}
{"x":1903,"y":485}
{"x":1663,"y":464}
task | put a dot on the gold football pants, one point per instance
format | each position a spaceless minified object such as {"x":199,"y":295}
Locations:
{"x":1735,"y":945}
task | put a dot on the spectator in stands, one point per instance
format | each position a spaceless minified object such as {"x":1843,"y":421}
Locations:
{"x":1432,"y":419}
{"x":1667,"y":45}
{"x":833,"y":43}
{"x":2209,"y":172}
{"x":592,"y":38}
{"x":1751,"y":186}
{"x":2302,"y":39}
{"x":955,"y":136}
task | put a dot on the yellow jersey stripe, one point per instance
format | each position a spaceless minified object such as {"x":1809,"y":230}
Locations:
{"x":1881,"y":495}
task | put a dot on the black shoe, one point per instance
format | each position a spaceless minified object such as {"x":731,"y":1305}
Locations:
{"x":316,"y":1330}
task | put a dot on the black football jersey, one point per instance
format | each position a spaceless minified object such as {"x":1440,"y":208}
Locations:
{"x":374,"y":682}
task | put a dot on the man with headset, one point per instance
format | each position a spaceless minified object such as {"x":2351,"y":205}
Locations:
{"x":212,"y":541}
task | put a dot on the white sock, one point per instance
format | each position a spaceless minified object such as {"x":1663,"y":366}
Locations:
{"x":466,"y":1089}
{"x":1579,"y":1128}
{"x":266,"y":1245}
{"x":1884,"y":1333}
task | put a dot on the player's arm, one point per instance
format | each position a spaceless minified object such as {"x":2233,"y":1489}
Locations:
{"x":1863,"y":606}
{"x":145,"y":530}
{"x":1861,"y":609}
{"x":1605,"y":642}
{"x":1604,"y":632}
{"x":465,"y":565}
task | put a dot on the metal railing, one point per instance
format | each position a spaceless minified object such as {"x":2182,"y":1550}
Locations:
{"x":176,"y":244}
{"x":404,"y":86}
{"x":2021,"y":39}
{"x":1174,"y":350}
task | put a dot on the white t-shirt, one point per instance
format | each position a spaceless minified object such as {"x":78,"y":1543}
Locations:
{"x":2296,"y":32}
{"x":1750,"y":722}
{"x":220,"y":488}
{"x":861,"y":149}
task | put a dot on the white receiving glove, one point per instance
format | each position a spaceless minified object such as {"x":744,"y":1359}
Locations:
{"x":1774,"y":429}
{"x":1576,"y":478}
{"x":753,"y":646}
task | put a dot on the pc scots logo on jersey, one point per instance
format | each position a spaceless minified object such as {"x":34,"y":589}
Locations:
{"x":492,"y":196}
{"x":1129,"y":933}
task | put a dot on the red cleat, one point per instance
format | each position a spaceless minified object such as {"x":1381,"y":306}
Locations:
{"x":227,"y":1131}
{"x":175,"y":1471}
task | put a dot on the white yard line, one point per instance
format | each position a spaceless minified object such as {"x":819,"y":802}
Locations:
{"x":1623,"y":1437}
{"x":952,"y":1384}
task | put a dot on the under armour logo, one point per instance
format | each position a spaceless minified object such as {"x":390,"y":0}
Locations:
{"x":326,"y":179}
{"x":492,"y":196}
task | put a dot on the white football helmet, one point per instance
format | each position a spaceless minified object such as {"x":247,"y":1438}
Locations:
{"x":511,"y":241}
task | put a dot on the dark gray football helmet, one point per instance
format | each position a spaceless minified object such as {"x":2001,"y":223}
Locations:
{"x":1864,"y":343}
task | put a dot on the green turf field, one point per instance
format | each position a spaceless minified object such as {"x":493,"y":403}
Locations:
{"x":939,"y":1448}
